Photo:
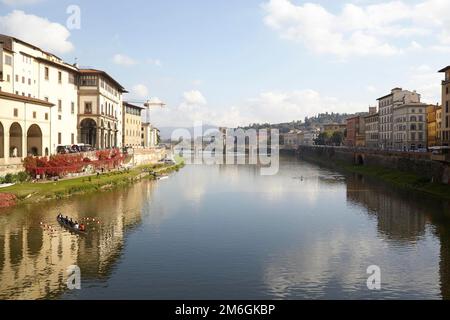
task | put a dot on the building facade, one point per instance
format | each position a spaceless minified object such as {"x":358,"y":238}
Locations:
{"x":309,"y":137}
{"x":445,"y":130}
{"x":356,"y":131}
{"x":372,"y":123}
{"x":149,"y":136}
{"x":100,"y":109}
{"x":386,"y":106}
{"x":333,"y":127}
{"x":24,"y":128}
{"x":410,"y":126}
{"x":293,"y":139}
{"x":28,"y":71}
{"x":132,"y":125}
{"x":439,"y":126}
{"x":432,"y":126}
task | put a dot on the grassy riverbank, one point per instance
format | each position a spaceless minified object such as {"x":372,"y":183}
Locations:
{"x":38,"y":192}
{"x":398,"y":178}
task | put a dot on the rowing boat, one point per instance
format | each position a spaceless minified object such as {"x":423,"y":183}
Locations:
{"x":69,"y":227}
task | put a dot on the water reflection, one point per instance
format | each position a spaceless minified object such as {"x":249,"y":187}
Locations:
{"x":226,"y":232}
{"x":33,"y":260}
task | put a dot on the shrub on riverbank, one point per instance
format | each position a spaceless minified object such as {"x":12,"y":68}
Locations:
{"x":15,"y":178}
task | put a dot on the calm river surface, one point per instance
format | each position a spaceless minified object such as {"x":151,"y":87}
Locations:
{"x":226,"y":232}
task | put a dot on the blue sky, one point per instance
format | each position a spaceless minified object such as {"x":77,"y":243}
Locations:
{"x":234,"y":62}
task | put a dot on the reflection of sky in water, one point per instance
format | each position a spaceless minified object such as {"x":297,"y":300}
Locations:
{"x":227,"y":232}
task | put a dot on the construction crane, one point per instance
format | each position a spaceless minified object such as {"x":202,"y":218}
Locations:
{"x":148,"y":104}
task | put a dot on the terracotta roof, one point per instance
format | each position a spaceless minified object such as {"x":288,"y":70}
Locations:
{"x":16,"y":97}
{"x":103,"y":73}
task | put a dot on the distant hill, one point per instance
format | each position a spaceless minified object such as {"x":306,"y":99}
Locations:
{"x":309,"y":122}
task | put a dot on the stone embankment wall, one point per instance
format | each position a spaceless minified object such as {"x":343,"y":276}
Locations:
{"x":147,"y":156}
{"x":417,"y":163}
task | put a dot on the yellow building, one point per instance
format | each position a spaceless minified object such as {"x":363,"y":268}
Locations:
{"x":432,"y":125}
{"x":333,"y":127}
{"x":132,"y":125}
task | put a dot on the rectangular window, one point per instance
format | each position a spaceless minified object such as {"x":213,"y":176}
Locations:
{"x":17,"y":78}
{"x":47,"y":73}
{"x":71,"y":78}
{"x":72,"y":108}
{"x":59,"y":77}
{"x":88,"y":81}
{"x":8,"y":60}
{"x":73,"y":139}
{"x":59,"y":106}
{"x":23,"y":79}
{"x":16,"y":112}
{"x":59,"y":117}
{"x":34,"y":114}
{"x":46,"y":116}
{"x":59,"y":138}
{"x":88,"y":107}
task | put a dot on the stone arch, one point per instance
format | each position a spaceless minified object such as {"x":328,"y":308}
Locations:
{"x":88,"y":132}
{"x":34,"y":140}
{"x":15,"y":141}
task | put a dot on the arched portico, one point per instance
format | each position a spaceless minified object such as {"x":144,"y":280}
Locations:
{"x":15,"y":141}
{"x":88,"y":132}
{"x":34,"y":140}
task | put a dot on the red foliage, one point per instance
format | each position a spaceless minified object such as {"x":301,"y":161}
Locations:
{"x":7,"y":200}
{"x":63,"y":164}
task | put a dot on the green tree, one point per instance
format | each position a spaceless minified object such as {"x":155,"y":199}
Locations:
{"x":322,"y":139}
{"x":337,"y":138}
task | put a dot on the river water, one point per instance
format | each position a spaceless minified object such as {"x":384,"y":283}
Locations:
{"x":226,"y":232}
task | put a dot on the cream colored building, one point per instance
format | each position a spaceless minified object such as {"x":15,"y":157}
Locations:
{"x":410,"y":126}
{"x":132,"y":125}
{"x":386,"y":106}
{"x":100,"y":109}
{"x":28,"y":71}
{"x":149,"y":136}
{"x":24,"y":127}
{"x":293,"y":139}
{"x":372,"y":131}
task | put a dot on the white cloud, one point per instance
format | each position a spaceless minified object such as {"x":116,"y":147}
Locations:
{"x":427,"y":82}
{"x":36,"y":30}
{"x":139,"y":91}
{"x":123,"y":60}
{"x":193,"y":98}
{"x":361,"y":30}
{"x":20,"y":2}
